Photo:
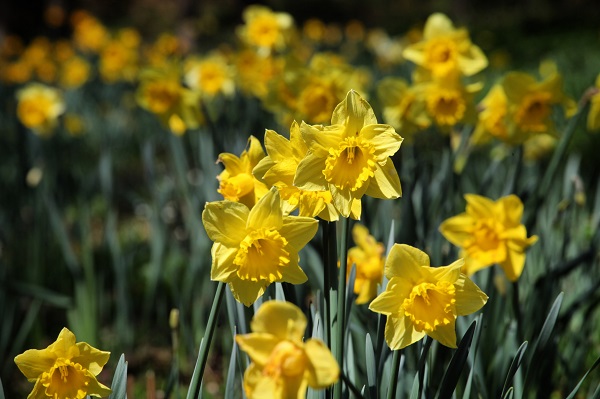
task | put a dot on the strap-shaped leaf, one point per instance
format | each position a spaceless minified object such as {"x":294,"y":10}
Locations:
{"x":119,"y":382}
{"x":514,"y":366}
{"x":457,"y":363}
{"x":371,"y":367}
{"x":230,"y":384}
{"x":574,"y":392}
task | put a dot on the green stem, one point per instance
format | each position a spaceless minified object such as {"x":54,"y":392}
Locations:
{"x":517,"y":310}
{"x":210,"y":329}
{"x":395,"y":371}
{"x":341,"y":302}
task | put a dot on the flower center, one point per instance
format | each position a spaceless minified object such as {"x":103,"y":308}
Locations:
{"x":317,"y":102}
{"x":431,"y":305}
{"x":533,"y":112}
{"x":235,"y":187}
{"x":287,"y":360}
{"x":65,"y":380}
{"x":351,"y":164}
{"x":212,"y":77}
{"x":446,"y":106}
{"x":263,"y":31}
{"x":485,"y":235}
{"x":162,"y":96}
{"x":260,"y":256}
{"x":440,"y":55}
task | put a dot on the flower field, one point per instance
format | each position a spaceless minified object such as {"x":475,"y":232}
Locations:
{"x":287,"y":207}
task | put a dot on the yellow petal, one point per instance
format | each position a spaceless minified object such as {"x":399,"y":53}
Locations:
{"x":267,"y":212}
{"x":342,"y":199}
{"x":309,"y":175}
{"x":91,"y":358}
{"x":386,"y":183}
{"x":225,"y":222}
{"x":255,"y":151}
{"x":353,"y":112}
{"x":299,"y":148}
{"x":513,"y":208}
{"x":282,"y":172}
{"x":233,"y":164}
{"x":246,"y":291}
{"x":479,"y":206}
{"x":323,"y":370}
{"x":33,"y":362}
{"x":449,"y":273}
{"x":262,"y":168}
{"x":258,"y":346}
{"x":469,"y":298}
{"x":437,"y":24}
{"x":95,"y":388}
{"x":319,"y":139}
{"x":458,"y":229}
{"x":516,"y":85}
{"x":384,"y":138}
{"x":278,"y":147}
{"x":390,"y":300}
{"x":222,"y":262}
{"x":400,"y":332}
{"x":298,"y":230}
{"x":445,"y":334}
{"x":293,"y":273}
{"x":406,"y":262}
{"x":282,"y":319}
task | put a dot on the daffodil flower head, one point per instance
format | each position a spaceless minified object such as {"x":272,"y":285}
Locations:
{"x":351,"y":157}
{"x":490,"y":232}
{"x":64,"y":370}
{"x":368,"y":258}
{"x":283,"y":365}
{"x":236,"y":182}
{"x":210,"y":76}
{"x":256,"y":247}
{"x":38,"y":108}
{"x":265,"y":29}
{"x":278,"y":169}
{"x":491,"y":122}
{"x":421,"y":300}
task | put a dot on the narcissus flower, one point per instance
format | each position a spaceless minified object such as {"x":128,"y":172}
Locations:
{"x":236,"y":182}
{"x":421,"y":300}
{"x":445,"y":50}
{"x":265,"y":29}
{"x":256,"y":247}
{"x":368,"y":258}
{"x":39,"y":107}
{"x":490,"y":232}
{"x":492,"y":117}
{"x":210,"y":76}
{"x":283,"y":366}
{"x":593,"y":118}
{"x":278,"y":169}
{"x":65,"y":369}
{"x":351,"y":157}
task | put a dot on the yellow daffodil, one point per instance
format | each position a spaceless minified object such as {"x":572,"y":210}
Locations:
{"x":278,"y":169}
{"x":88,"y":32}
{"x":265,"y":29}
{"x":74,"y":72}
{"x":368,"y":258}
{"x":39,"y":107}
{"x":210,"y":76}
{"x":351,"y":157}
{"x":403,"y":106}
{"x":254,"y":73}
{"x":445,"y":50}
{"x":236,"y":182}
{"x":283,"y":365}
{"x":448,"y":102}
{"x":161,"y":92}
{"x":490,"y":232}
{"x":593,"y":118}
{"x":65,"y":369}
{"x":256,"y":247}
{"x":118,"y":61}
{"x":531,"y":103}
{"x":421,"y":300}
{"x":492,"y":117}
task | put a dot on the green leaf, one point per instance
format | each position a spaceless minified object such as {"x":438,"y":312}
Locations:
{"x":119,"y":382}
{"x":514,"y":366}
{"x":230,"y":383}
{"x":1,"y":390}
{"x":279,"y":294}
{"x":457,"y":363}
{"x":548,"y":326}
{"x":509,"y":394}
{"x":574,"y":392}
{"x":371,"y":367}
{"x":193,"y":388}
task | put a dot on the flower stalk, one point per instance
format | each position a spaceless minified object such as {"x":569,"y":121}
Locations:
{"x":341,"y":301}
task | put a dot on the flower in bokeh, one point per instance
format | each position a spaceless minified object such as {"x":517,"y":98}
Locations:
{"x":39,"y":107}
{"x":161,"y":92}
{"x":283,"y":366}
{"x":236,"y":182}
{"x":88,"y":31}
{"x":351,"y":157}
{"x":368,"y":258}
{"x":255,"y":73}
{"x":593,"y":118}
{"x":531,"y":102}
{"x":403,"y":106}
{"x":490,"y":232}
{"x":421,"y":300}
{"x":491,"y":122}
{"x":65,"y":369}
{"x":265,"y":29}
{"x":448,"y":102}
{"x":278,"y":169}
{"x":118,"y":61}
{"x":445,"y":50}
{"x":74,"y":72}
{"x":256,"y":247}
{"x":210,"y":76}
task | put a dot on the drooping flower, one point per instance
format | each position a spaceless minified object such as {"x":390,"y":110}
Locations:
{"x":283,"y":366}
{"x":490,"y":232}
{"x":65,"y":369}
{"x":278,"y":169}
{"x":265,"y":29}
{"x":39,"y":107}
{"x":236,"y":182}
{"x":368,"y":258}
{"x":445,"y":50}
{"x":351,"y":157}
{"x":421,"y":300}
{"x":256,"y":247}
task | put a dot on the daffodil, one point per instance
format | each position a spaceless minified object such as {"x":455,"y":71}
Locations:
{"x":492,"y":118}
{"x":39,"y":107}
{"x":368,"y":258}
{"x":283,"y":365}
{"x":531,"y":103}
{"x":593,"y":118}
{"x":256,"y":247}
{"x":265,"y":29}
{"x":210,"y":76}
{"x":490,"y":232}
{"x":445,"y":50}
{"x":64,"y":370}
{"x":448,"y":102}
{"x":278,"y":169}
{"x":351,"y":157}
{"x":236,"y":182}
{"x":421,"y":300}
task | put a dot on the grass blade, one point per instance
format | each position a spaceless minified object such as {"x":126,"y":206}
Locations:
{"x":574,"y":392}
{"x":119,"y":382}
{"x":230,"y":384}
{"x":514,"y":366}
{"x":457,"y":363}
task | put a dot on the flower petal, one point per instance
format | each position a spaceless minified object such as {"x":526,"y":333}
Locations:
{"x":458,"y":229}
{"x":449,"y":273}
{"x":258,"y":346}
{"x":354,"y":112}
{"x":323,"y":370}
{"x":390,"y":300}
{"x":445,"y":334}
{"x":246,"y":291}
{"x":406,"y":262}
{"x":298,"y":230}
{"x":278,"y":147}
{"x":342,"y":199}
{"x":309,"y":175}
{"x":479,"y":206}
{"x":319,"y":139}
{"x":400,"y":332}
{"x":95,"y":388}
{"x":33,"y":362}
{"x":225,"y":222}
{"x":267,"y":212}
{"x":222,"y":262}
{"x":384,"y":138}
{"x":282,"y":319}
{"x":469,"y":298}
{"x":91,"y":358}
{"x":386,"y":183}
{"x":293,"y":273}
